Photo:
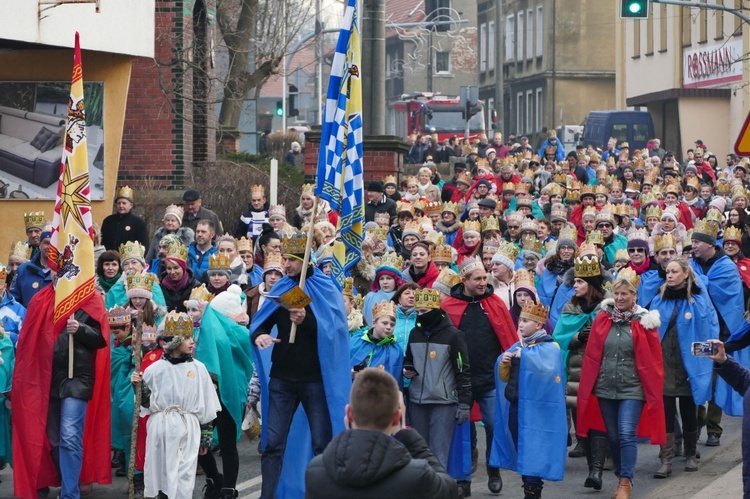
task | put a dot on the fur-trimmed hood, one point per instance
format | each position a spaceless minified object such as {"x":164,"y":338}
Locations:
{"x":648,"y":319}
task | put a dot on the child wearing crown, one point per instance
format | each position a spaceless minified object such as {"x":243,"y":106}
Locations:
{"x":182,"y":400}
{"x":122,"y":366}
{"x":376,"y":346}
{"x":388,"y":278}
{"x":139,"y":290}
{"x":530,"y":424}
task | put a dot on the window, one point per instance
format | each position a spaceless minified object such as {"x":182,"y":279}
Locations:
{"x":510,"y":38}
{"x":737,"y":21}
{"x":636,"y":38}
{"x":719,"y":22}
{"x":620,"y":132}
{"x":687,"y":26}
{"x":437,"y":11}
{"x":490,"y":111}
{"x":650,"y":30}
{"x":519,"y":111}
{"x":539,"y":109}
{"x":491,"y":45}
{"x":640,"y":132}
{"x":529,"y":111}
{"x":703,"y":24}
{"x":443,"y":62}
{"x":529,"y":34}
{"x":539,"y":31}
{"x":482,"y":48}
{"x":519,"y":45}
{"x":663,"y":28}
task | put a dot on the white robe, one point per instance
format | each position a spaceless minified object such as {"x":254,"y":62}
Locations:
{"x":183,"y":397}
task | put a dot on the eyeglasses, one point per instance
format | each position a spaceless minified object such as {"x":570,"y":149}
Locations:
{"x":636,"y":250}
{"x":604,"y":226}
{"x":514,"y":226}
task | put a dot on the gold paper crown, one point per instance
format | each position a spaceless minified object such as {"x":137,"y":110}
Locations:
{"x":219,"y":261}
{"x":587,"y":190}
{"x":21,"y":249}
{"x":175,"y":211}
{"x":472,"y":225}
{"x":390,"y":179}
{"x":465,"y":178}
{"x":201,"y":294}
{"x":622,"y":210}
{"x":273,"y":261}
{"x":448,"y":278}
{"x":380,"y":232}
{"x":144,"y":280}
{"x":125,"y":192}
{"x":524,"y":279}
{"x":638,"y":234}
{"x":522,"y":189}
{"x":426,"y":298}
{"x":622,"y":254}
{"x":588,"y":249}
{"x":550,"y":246}
{"x":653,"y":212}
{"x":673,"y":188}
{"x":633,"y":186}
{"x":420,"y":204}
{"x":244,"y":244}
{"x":483,"y":163}
{"x":564,"y":166}
{"x":574,"y":185}
{"x":178,"y":324}
{"x":434,"y":207}
{"x":450,"y":208}
{"x":627,"y":274}
{"x":392,"y":260}
{"x":529,"y":225}
{"x":556,"y":190}
{"x":508,"y":250}
{"x":294,"y":244}
{"x":732,"y":234}
{"x":131,"y":249}
{"x":490,"y":223}
{"x":573,"y":196}
{"x":442,"y":254}
{"x":177,"y":251}
{"x":469,"y":265}
{"x":595,"y":157}
{"x":509,"y":187}
{"x":3,"y":274}
{"x":412,"y":180}
{"x":258,"y":189}
{"x":559,"y":211}
{"x":514,"y":216}
{"x":595,"y":237}
{"x":348,"y":289}
{"x":34,"y":220}
{"x":639,"y":163}
{"x":606,"y":214}
{"x":614,"y":183}
{"x":119,"y":316}
{"x":308,"y":190}
{"x":560,"y":178}
{"x":601,"y":189}
{"x":723,"y":188}
{"x":673,"y":210}
{"x":384,"y":308}
{"x":706,"y":228}
{"x":531,"y":243}
{"x":693,"y":182}
{"x":277,"y":210}
{"x":664,"y":241}
{"x":714,"y":215}
{"x":413,"y":227}
{"x":589,"y":211}
{"x":382,"y":217}
{"x":550,"y":150}
{"x":404,"y":207}
{"x":535,"y":312}
{"x":489,"y":247}
{"x":587,"y":266}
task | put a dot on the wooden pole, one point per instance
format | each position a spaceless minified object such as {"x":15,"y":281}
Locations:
{"x":305,"y":261}
{"x":137,"y":336}
{"x":70,"y":356}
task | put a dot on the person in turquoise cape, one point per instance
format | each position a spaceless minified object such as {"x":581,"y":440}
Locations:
{"x":376,"y":346}
{"x":7,"y":362}
{"x":388,"y":279}
{"x":605,"y":223}
{"x":122,"y":367}
{"x":132,"y":261}
{"x":530,"y":425}
{"x":140,"y":291}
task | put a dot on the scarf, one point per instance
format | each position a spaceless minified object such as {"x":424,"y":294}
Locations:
{"x":407,"y":311}
{"x":534,"y":337}
{"x":622,"y":317}
{"x":216,"y":291}
{"x":691,"y":202}
{"x":560,"y":266}
{"x":176,"y":286}
{"x":106,"y":284}
{"x":640,"y":269}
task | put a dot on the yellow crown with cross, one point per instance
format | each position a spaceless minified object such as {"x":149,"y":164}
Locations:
{"x":178,"y":324}
{"x":534,"y":312}
{"x":125,"y":192}
{"x":177,"y":251}
{"x":34,"y":220}
{"x":20,"y":249}
{"x":385,"y":308}
{"x":119,"y":316}
{"x":426,"y":298}
{"x":144,"y":280}
{"x":131,"y":249}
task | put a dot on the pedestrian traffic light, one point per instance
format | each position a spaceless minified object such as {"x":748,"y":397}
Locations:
{"x":279,"y":108}
{"x":291,"y":108}
{"x":634,"y":9}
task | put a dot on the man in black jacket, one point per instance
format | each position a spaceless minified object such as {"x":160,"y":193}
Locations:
{"x":123,"y":226}
{"x":377,"y":457}
{"x":377,"y":202}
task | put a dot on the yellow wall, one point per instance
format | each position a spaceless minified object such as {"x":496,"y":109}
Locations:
{"x":57,"y":65}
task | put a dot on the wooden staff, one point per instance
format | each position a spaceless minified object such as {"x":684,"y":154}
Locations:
{"x":137,"y":336}
{"x":305,"y":261}
{"x":70,"y":355}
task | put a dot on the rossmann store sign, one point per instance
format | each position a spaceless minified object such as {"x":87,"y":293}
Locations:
{"x":712,"y":65}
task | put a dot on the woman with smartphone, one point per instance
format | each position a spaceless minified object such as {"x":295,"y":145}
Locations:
{"x":687,"y":316}
{"x":622,"y":378}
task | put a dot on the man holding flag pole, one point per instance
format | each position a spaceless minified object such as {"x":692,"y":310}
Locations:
{"x":61,"y":414}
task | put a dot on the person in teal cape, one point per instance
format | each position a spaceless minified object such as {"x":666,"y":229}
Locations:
{"x":121,"y":390}
{"x":376,"y":346}
{"x":7,"y":362}
{"x":132,"y":262}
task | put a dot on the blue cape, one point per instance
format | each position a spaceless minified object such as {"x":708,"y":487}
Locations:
{"x":371,"y":299}
{"x":255,"y":275}
{"x":117,"y":297}
{"x":649,"y":287}
{"x":121,"y":389}
{"x":568,"y":326}
{"x":563,"y":296}
{"x":724,"y":396}
{"x":542,"y":424}
{"x":333,"y":350}
{"x":694,"y":322}
{"x":223,"y":348}
{"x":725,"y":290}
{"x":619,"y":242}
{"x":386,"y":354}
{"x":547,"y":287}
{"x":459,"y":458}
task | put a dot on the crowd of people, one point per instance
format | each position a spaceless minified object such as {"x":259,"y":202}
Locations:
{"x":553,"y":297}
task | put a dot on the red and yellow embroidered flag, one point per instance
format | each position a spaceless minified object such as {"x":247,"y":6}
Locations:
{"x":71,"y":252}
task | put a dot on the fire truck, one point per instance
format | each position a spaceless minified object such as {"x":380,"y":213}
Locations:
{"x":428,"y":112}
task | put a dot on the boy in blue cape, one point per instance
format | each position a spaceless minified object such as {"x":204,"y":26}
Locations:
{"x":376,"y":346}
{"x":530,"y":424}
{"x":121,"y":390}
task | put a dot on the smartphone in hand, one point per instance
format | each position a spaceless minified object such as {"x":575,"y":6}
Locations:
{"x":704,"y":349}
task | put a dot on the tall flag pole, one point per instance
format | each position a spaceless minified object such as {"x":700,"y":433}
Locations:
{"x":71,"y":253}
{"x":340,"y":180}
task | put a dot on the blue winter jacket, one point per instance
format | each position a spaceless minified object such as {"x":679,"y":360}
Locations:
{"x":12,"y":314}
{"x":29,"y":280}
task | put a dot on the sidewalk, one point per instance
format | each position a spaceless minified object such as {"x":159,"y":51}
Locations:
{"x":727,"y":485}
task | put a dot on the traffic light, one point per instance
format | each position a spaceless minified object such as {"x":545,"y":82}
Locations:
{"x":634,"y":9}
{"x":291,"y":109}
{"x":279,"y":108}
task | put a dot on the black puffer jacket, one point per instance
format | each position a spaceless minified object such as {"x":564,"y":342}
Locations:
{"x":370,"y":464}
{"x":86,"y":341}
{"x":175,"y":300}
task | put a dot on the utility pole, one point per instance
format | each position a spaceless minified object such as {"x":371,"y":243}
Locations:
{"x":499,"y":61}
{"x":318,"y":66}
{"x":373,"y":61}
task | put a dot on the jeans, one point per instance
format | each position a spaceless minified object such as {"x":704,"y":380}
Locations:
{"x":687,"y":411}
{"x":435,"y":422}
{"x":226,"y":429}
{"x":65,"y":419}
{"x":532,"y":482}
{"x":284,"y":398}
{"x":621,"y":419}
{"x":486,"y":401}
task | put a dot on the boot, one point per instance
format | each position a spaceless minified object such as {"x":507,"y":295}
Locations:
{"x":464,"y":488}
{"x":678,"y":452}
{"x":666,"y":455}
{"x":138,"y":486}
{"x":212,"y":489}
{"x":495,"y":481}
{"x":579,"y":450}
{"x":623,"y":490}
{"x":118,"y":458}
{"x":532,"y":492}
{"x":691,"y":444}
{"x":229,"y":493}
{"x":599,"y":446}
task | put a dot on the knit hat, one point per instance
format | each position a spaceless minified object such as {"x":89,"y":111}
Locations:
{"x":175,"y":211}
{"x":375,"y":186}
{"x":46,"y":232}
{"x":691,"y":168}
{"x":229,"y":302}
{"x":718,"y":202}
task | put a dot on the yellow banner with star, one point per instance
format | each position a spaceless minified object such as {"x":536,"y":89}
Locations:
{"x":71,"y":253}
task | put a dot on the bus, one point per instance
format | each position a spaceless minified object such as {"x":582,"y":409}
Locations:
{"x":427,"y":113}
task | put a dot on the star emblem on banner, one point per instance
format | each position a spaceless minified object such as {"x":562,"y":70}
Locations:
{"x":73,"y":197}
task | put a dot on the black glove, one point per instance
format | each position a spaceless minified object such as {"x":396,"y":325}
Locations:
{"x":462,"y":413}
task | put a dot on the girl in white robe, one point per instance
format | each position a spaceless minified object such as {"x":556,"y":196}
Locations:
{"x":182,"y":400}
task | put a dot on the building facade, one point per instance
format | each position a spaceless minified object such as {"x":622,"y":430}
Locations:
{"x":685,"y":66}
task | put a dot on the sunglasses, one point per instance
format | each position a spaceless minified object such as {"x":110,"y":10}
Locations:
{"x":636,"y":250}
{"x":605,"y":226}
{"x":514,"y":226}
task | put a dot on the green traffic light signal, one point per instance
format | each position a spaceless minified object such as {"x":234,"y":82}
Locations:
{"x":279,"y":108}
{"x":634,"y":9}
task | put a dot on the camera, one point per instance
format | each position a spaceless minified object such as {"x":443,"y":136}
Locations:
{"x":703,"y":349}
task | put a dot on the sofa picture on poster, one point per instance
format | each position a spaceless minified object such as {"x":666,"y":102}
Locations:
{"x":32,"y":127}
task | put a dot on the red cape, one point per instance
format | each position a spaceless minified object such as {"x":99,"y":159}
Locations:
{"x":496,"y":311}
{"x":140,"y":444}
{"x":32,"y":464}
{"x":743,"y":266}
{"x":429,"y":277}
{"x":648,"y":361}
